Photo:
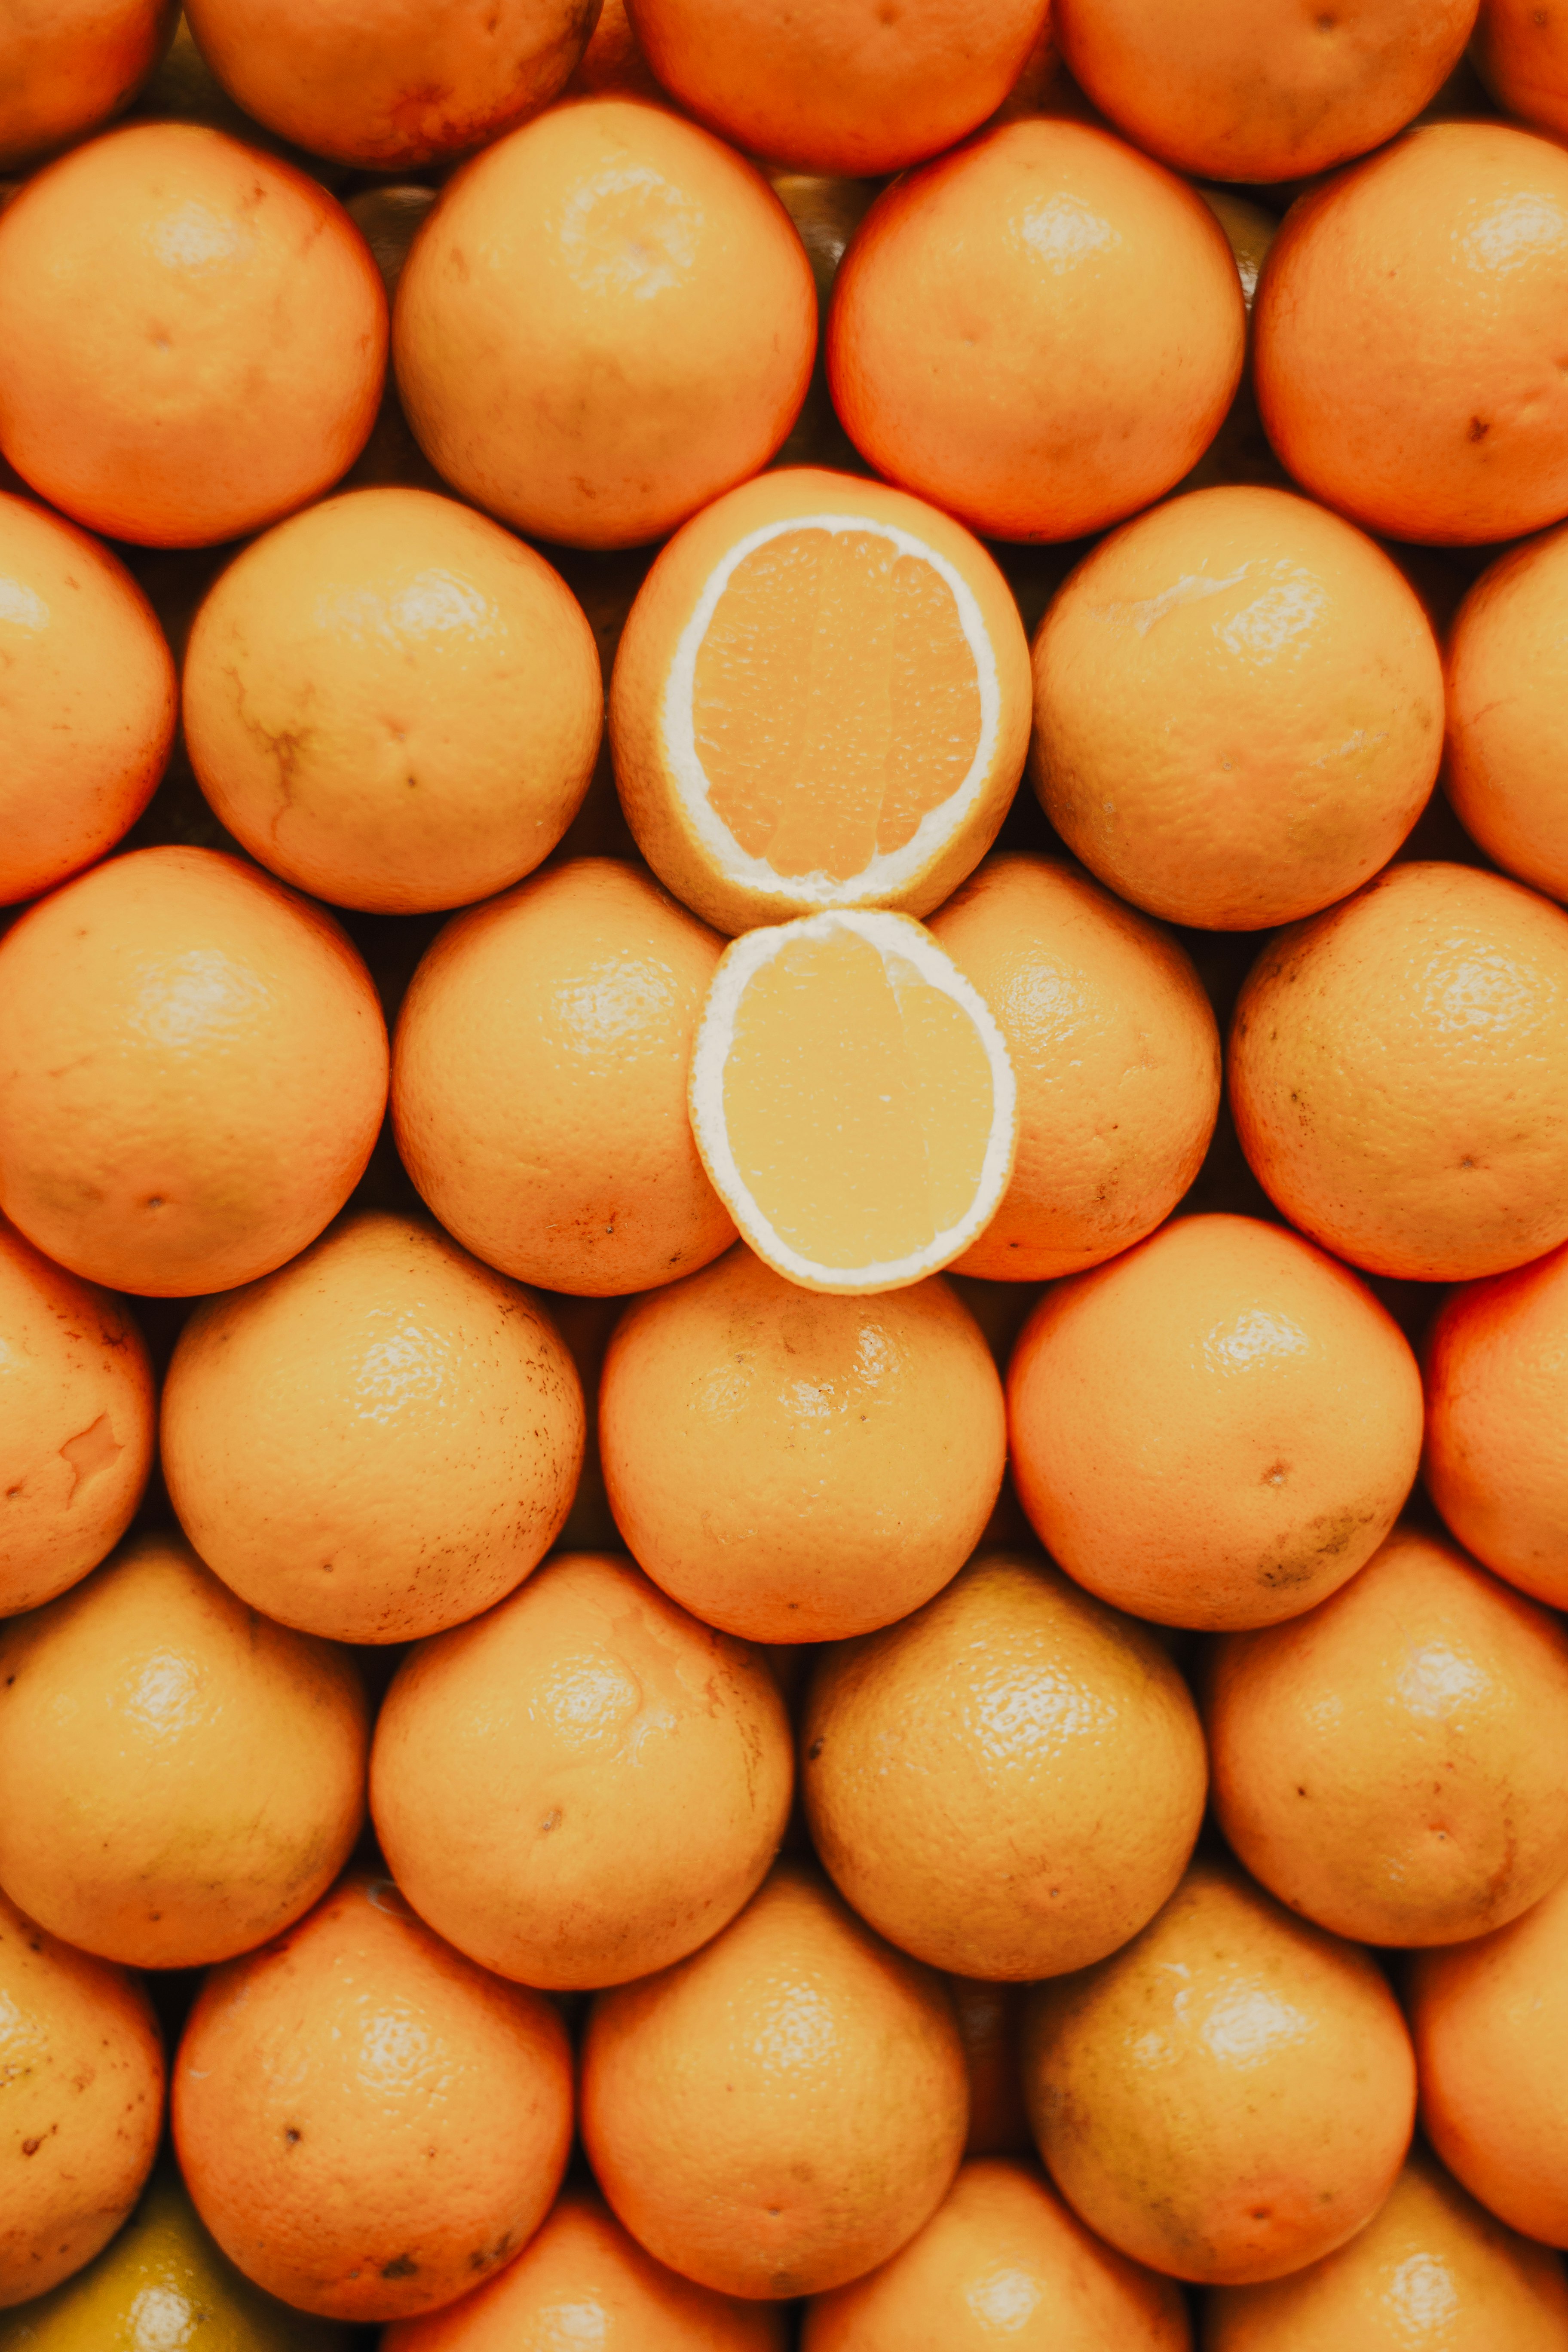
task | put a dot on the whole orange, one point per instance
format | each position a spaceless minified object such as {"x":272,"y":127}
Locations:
{"x":1230,"y":90}
{"x":1496,"y":1459}
{"x":1009,"y":1782}
{"x":584,"y":2280}
{"x":1116,"y":1055}
{"x":1491,"y":2022}
{"x":186,"y":1778}
{"x":1001,"y":2261}
{"x":195,"y":1072}
{"x":783,"y":2109}
{"x":367,"y":2123}
{"x":1002,"y":314}
{"x":393,"y":703}
{"x":1238,"y":708}
{"x":1215,"y":1429}
{"x":569,"y":1009}
{"x":607,"y":320}
{"x":90,"y":700}
{"x":1507,"y":677}
{"x":584,"y":1784}
{"x":1432,"y":2269}
{"x":1406,"y":336}
{"x":67,"y":67}
{"x":401,"y":85}
{"x":838,"y":88}
{"x":193,"y":336}
{"x":77,"y":1412}
{"x":380,"y":1440}
{"x":1395,"y":1074}
{"x":795,"y":1467}
{"x":1395,"y":1763}
{"x":1521,"y":55}
{"x":1230,"y":2095}
{"x":83,"y":2068}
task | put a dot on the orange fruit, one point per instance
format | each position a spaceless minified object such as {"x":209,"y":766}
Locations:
{"x":1491,"y":2022}
{"x":820,"y":699}
{"x":1230,"y":2095}
{"x":990,"y":2017}
{"x":1496,"y":1458}
{"x":1408,"y":334}
{"x":1008,"y":1783}
{"x":838,"y":88}
{"x":187,"y":1778}
{"x":853,"y":1100}
{"x":1508,"y":674}
{"x":193,"y":336}
{"x":1218,"y":1428}
{"x":379,"y":1440}
{"x":1395,"y":1763}
{"x":76,"y":1413}
{"x":195,"y":1074}
{"x":583,"y":2280}
{"x":783,"y":2109}
{"x":413,"y":85}
{"x":393,"y":703}
{"x":1001,"y":2260}
{"x":1521,"y":55}
{"x":68,"y":68}
{"x":1238,"y":710}
{"x":1430,"y":2270}
{"x":83,"y":2071}
{"x":564,"y":1011}
{"x":90,"y":700}
{"x":999,"y":318}
{"x":366,"y":2122}
{"x":607,"y":320}
{"x":641,"y":1765}
{"x":1394,"y":1074}
{"x":1115,"y":1055}
{"x":1232,"y":92}
{"x":795,"y":1467}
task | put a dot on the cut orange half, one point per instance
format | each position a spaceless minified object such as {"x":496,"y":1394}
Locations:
{"x":852,"y":1099}
{"x":822,"y":698}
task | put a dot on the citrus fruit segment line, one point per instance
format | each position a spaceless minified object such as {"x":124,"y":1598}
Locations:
{"x":888,"y":870}
{"x":892,"y":937}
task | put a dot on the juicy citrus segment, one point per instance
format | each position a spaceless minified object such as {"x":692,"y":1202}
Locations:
{"x":833,"y":706}
{"x":852,"y":1099}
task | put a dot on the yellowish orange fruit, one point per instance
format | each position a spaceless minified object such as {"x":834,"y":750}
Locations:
{"x":1003,"y":2261}
{"x":1115,"y":1056}
{"x":195,"y":1074}
{"x":783,"y":2109}
{"x":853,"y":1100}
{"x":1507,"y":675}
{"x":1395,"y":1763}
{"x":1008,"y":1783}
{"x":795,"y":1467}
{"x":77,"y":1412}
{"x":69,"y":66}
{"x":584,"y":1784}
{"x":565,"y":1011}
{"x":185,"y":1777}
{"x":393,"y":703}
{"x":1230,"y":2095}
{"x":83,"y":2068}
{"x":367,"y":2123}
{"x":820,"y":699}
{"x":380,"y":1440}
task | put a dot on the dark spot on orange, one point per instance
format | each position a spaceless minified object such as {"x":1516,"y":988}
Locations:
{"x":1480,"y":427}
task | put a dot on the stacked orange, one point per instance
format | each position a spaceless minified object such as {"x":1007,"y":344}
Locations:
{"x":794,"y":1609}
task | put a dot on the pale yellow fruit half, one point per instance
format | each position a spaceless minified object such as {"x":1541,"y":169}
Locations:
{"x":852,"y":1099}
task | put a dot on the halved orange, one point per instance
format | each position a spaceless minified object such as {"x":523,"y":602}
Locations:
{"x":821,"y":700}
{"x":852,"y":1099}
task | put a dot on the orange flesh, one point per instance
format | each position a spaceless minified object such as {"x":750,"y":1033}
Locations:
{"x":857,"y":1099}
{"x":835,"y":700}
